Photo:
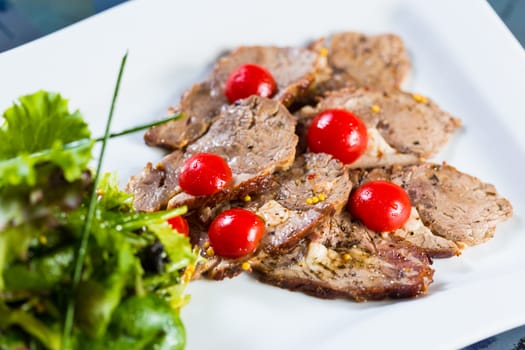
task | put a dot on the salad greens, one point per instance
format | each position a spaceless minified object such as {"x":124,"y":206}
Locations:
{"x":33,"y":135}
{"x":135,"y":268}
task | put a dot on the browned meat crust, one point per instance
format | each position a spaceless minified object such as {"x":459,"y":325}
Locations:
{"x":317,"y":186}
{"x":294,"y":70}
{"x":311,"y":244}
{"x":255,"y":136}
{"x":355,"y":59}
{"x":359,"y":264}
{"x":458,"y":209}
{"x":287,"y":209}
{"x":153,"y":188}
{"x":201,"y":104}
{"x":414,"y":126}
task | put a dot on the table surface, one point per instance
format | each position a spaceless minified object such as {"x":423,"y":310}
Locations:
{"x":22,"y":21}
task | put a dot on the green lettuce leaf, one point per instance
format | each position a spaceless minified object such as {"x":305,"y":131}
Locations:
{"x":111,"y":197}
{"x":14,"y":242}
{"x":39,"y":130}
{"x":48,"y":336}
{"x":37,"y":121}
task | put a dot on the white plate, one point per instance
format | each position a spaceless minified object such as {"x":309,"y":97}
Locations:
{"x":463,"y":57}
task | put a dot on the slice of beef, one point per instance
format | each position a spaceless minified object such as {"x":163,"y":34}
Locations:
{"x":201,"y":104}
{"x":356,"y":59}
{"x":345,"y":260}
{"x":455,"y":209}
{"x":255,"y":136}
{"x":314,"y":188}
{"x":317,"y":186}
{"x":153,"y":188}
{"x":294,"y":70}
{"x":212,"y":266}
{"x":403,"y":128}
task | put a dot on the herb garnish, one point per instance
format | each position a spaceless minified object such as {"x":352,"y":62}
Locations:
{"x":81,"y":253}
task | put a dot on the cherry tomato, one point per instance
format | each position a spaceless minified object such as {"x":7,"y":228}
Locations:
{"x":179,"y":224}
{"x":381,"y":205}
{"x":339,"y":133}
{"x":235,"y":233}
{"x":247,"y":80}
{"x":204,"y":174}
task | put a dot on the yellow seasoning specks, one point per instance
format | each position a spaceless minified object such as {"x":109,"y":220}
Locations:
{"x":375,"y":109}
{"x":323,"y":51}
{"x":42,"y":240}
{"x":188,"y":273}
{"x":246,"y":266}
{"x":419,"y":98}
{"x":316,"y":199}
{"x":346,"y":257}
{"x":210,"y":252}
{"x":247,"y":198}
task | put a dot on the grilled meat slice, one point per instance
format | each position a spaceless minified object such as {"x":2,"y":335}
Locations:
{"x":345,"y":260}
{"x":155,"y":185}
{"x":355,"y":59}
{"x":402,"y":128}
{"x":454,"y":209}
{"x":293,"y":69}
{"x":313,"y":189}
{"x":255,"y":136}
{"x":212,"y":266}
{"x":200,"y":104}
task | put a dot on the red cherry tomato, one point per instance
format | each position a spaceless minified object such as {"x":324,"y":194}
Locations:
{"x":235,"y":233}
{"x":339,"y":133}
{"x":179,"y":224}
{"x":381,"y":205}
{"x":204,"y":174}
{"x":247,"y":80}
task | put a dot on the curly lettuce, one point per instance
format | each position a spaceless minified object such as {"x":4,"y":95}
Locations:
{"x":39,"y":130}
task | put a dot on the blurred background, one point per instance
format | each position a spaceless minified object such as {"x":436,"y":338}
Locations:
{"x":25,"y":20}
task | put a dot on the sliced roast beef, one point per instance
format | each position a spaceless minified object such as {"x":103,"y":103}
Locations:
{"x":313,"y":189}
{"x":212,"y":266}
{"x":255,"y":136}
{"x":403,"y":128}
{"x":355,"y":59}
{"x":345,"y":260}
{"x":153,"y":188}
{"x":293,"y":69}
{"x":200,"y":105}
{"x":451,"y":209}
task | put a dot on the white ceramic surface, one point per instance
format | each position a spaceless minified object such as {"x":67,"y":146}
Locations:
{"x":463,"y":57}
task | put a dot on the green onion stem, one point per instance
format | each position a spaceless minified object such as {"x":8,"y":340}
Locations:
{"x":141,"y":127}
{"x":44,"y":154}
{"x":82,"y":250}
